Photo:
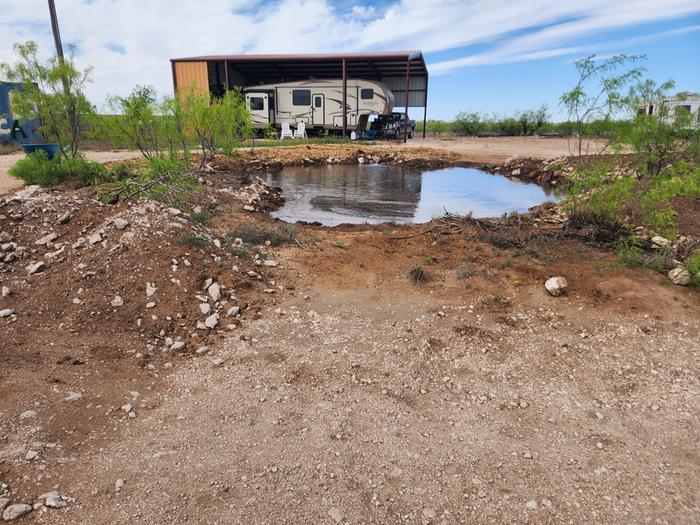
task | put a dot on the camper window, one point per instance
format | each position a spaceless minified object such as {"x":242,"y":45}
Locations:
{"x":367,"y":94}
{"x":318,"y":102}
{"x":257,"y":104}
{"x":301,"y":97}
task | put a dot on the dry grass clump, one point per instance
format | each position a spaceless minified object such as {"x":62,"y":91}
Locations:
{"x":418,"y":275}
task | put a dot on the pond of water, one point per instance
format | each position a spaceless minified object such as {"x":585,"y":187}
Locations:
{"x":337,"y":194}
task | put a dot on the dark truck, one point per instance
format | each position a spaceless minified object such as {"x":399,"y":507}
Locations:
{"x":391,"y":126}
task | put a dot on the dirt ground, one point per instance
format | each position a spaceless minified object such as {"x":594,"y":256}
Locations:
{"x":500,"y":149}
{"x":342,"y":392}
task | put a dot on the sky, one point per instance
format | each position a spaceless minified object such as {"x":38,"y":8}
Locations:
{"x":490,"y":56}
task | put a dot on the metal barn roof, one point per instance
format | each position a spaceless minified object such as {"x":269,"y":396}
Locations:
{"x":404,"y":72}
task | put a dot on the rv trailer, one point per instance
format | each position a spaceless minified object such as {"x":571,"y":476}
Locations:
{"x":318,"y":103}
{"x":668,"y":107}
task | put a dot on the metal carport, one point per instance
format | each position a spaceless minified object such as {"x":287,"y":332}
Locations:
{"x":404,"y":72}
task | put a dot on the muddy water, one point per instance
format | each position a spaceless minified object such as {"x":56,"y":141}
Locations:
{"x":337,"y":194}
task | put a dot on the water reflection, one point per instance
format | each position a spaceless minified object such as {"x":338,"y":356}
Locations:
{"x":336,"y":194}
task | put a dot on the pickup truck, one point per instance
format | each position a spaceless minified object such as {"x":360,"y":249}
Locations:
{"x":391,"y":126}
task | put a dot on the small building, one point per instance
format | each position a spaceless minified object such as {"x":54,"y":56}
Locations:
{"x":404,"y":73}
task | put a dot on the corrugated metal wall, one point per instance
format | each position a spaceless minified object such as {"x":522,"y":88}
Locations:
{"x":397,"y":85}
{"x":188,"y":74}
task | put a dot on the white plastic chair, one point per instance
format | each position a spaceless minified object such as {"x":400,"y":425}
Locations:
{"x":286,"y":132}
{"x":300,"y":132}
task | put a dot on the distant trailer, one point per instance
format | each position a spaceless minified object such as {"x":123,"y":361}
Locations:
{"x":318,"y":104}
{"x":671,"y":106}
{"x":338,"y":78}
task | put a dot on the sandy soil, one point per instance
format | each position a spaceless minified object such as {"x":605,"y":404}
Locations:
{"x":8,"y":183}
{"x":344,"y":393}
{"x":499,"y":149}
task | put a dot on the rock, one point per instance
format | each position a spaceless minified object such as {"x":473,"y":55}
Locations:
{"x":214,"y":291}
{"x":126,"y":408}
{"x":204,"y":308}
{"x":27,"y":414}
{"x":31,"y":455}
{"x":65,"y":218}
{"x":217,"y":361}
{"x":531,"y":505}
{"x":6,"y":292}
{"x":177,"y":346}
{"x":150,"y":305}
{"x":270,"y":263}
{"x":547,"y":503}
{"x":211,"y":321}
{"x":150,"y":289}
{"x":202,"y":350}
{"x":36,"y":268}
{"x":73,"y":396}
{"x":53,"y":500}
{"x":95,"y":238}
{"x":4,"y":502}
{"x":46,"y":239}
{"x":120,"y":223}
{"x":556,"y":286}
{"x":515,"y":172}
{"x":233,"y":311}
{"x":659,"y":242}
{"x":16,"y":511}
{"x":127,"y":238}
{"x":335,"y":514}
{"x":119,"y":485}
{"x":117,"y":302}
{"x":679,"y":276}
{"x":7,"y":312}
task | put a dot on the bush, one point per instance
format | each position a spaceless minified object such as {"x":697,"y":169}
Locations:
{"x":143,"y":123}
{"x":164,"y":179}
{"x":692,"y":264}
{"x":645,"y":201}
{"x":467,"y":123}
{"x":38,"y":169}
{"x":193,"y":239}
{"x":418,"y":275}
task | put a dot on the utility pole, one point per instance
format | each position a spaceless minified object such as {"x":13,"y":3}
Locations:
{"x":56,"y":32}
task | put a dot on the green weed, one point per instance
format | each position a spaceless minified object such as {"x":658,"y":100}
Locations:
{"x":193,"y":239}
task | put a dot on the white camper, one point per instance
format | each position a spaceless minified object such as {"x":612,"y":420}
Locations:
{"x":669,"y":107}
{"x":318,"y":104}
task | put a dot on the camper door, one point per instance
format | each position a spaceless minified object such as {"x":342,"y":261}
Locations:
{"x":259,"y":106}
{"x":319,"y":109}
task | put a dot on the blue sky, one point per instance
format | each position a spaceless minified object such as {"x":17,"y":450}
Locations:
{"x":491,"y":56}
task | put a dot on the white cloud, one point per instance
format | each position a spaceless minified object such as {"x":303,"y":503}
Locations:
{"x":131,"y":41}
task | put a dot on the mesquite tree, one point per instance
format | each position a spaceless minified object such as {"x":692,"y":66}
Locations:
{"x":52,"y":92}
{"x":598,"y":91}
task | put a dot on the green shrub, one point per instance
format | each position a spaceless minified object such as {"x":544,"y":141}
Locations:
{"x":164,"y":179}
{"x":193,"y":239}
{"x":692,"y":264}
{"x":201,"y":217}
{"x":38,"y":169}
